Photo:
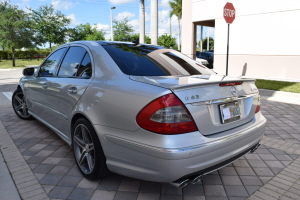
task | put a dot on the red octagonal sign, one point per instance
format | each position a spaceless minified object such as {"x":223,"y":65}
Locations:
{"x":229,"y":13}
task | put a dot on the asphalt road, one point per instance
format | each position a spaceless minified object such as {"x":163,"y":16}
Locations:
{"x":9,"y":79}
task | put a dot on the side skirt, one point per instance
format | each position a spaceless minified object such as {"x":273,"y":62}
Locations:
{"x":58,"y":132}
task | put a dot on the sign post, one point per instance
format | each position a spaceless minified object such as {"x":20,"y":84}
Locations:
{"x":229,"y":16}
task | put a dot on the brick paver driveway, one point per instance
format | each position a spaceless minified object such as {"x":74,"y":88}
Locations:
{"x":272,"y":172}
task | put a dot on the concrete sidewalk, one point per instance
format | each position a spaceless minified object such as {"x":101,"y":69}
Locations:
{"x":8,"y":190}
{"x":273,"y":78}
{"x":287,"y":97}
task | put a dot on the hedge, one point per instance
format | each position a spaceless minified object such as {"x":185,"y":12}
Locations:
{"x":28,"y":54}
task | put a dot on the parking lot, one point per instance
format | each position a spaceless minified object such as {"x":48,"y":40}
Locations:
{"x":272,"y":172}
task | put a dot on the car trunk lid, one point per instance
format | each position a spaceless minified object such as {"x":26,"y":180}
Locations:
{"x":216,"y":103}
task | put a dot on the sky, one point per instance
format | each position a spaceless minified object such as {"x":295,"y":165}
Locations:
{"x":98,"y":12}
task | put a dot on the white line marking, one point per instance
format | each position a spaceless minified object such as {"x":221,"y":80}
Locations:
{"x":8,"y":95}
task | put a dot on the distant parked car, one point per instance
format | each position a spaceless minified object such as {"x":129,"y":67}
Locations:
{"x":39,"y":56}
{"x":209,"y":56}
{"x":142,"y":111}
{"x":202,"y":61}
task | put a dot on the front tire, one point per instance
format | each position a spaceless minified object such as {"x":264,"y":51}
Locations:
{"x":88,"y":152}
{"x":19,"y":105}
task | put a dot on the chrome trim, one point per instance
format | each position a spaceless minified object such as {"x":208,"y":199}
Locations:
{"x":58,"y":132}
{"x":181,"y":183}
{"x":223,"y":100}
{"x":114,"y":139}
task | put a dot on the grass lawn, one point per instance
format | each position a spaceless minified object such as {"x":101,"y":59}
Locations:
{"x":20,"y":63}
{"x":278,"y":85}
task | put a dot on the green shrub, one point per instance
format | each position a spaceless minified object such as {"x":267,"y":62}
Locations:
{"x":28,"y":54}
{"x":4,"y":54}
{"x":167,"y":41}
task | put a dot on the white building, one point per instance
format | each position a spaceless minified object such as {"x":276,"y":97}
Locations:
{"x":264,"y":37}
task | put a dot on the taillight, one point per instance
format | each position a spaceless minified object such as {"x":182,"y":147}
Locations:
{"x":258,"y":105}
{"x":230,"y":84}
{"x":166,"y":115}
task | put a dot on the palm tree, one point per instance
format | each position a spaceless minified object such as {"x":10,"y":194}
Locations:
{"x":154,"y":21}
{"x":176,"y":6}
{"x":142,"y":21}
{"x":171,"y":26}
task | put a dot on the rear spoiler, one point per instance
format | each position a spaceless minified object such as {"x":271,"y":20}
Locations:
{"x":191,"y":86}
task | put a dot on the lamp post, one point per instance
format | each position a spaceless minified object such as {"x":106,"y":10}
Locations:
{"x":111,"y":24}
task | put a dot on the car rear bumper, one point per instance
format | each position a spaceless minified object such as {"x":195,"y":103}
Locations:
{"x":163,"y":164}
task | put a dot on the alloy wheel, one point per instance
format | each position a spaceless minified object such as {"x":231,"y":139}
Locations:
{"x":20,"y":105}
{"x":84,"y":149}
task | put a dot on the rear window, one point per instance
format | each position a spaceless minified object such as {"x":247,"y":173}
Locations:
{"x":147,"y":60}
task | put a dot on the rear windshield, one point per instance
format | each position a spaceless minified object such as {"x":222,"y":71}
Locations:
{"x":146,"y":60}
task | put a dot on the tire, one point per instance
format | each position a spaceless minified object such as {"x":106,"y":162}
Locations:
{"x":88,"y":152}
{"x":20,"y":106}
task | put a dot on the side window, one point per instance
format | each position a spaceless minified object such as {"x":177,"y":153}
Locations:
{"x":71,"y":62}
{"x":85,"y":69}
{"x":48,"y":68}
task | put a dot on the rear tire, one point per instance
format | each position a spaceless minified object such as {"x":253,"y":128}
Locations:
{"x":20,"y":106}
{"x":88,"y":153}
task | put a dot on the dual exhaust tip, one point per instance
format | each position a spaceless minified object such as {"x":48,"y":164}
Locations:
{"x":184,"y":182}
{"x":196,"y":179}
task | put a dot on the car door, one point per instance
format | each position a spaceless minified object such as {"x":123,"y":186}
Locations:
{"x":37,"y":87}
{"x":73,"y":77}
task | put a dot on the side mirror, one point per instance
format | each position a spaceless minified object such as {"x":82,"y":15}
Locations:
{"x":28,"y":71}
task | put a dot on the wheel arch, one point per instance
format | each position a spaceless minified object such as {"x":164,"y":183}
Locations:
{"x":77,"y":116}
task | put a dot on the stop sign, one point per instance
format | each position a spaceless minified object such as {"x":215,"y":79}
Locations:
{"x":229,"y":13}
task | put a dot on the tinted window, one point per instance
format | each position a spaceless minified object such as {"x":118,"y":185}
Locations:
{"x":71,"y":62}
{"x":146,"y":60}
{"x":48,"y":68}
{"x":182,"y":64}
{"x":85,"y":69}
{"x":133,"y":60}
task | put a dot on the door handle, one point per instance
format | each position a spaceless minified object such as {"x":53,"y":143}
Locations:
{"x":72,"y":90}
{"x":44,"y":85}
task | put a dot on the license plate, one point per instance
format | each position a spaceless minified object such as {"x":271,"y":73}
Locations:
{"x":230,"y":112}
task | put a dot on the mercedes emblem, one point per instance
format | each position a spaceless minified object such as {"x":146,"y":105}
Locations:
{"x":233,"y":91}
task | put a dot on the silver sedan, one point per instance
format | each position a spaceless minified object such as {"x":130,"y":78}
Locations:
{"x":141,"y":110}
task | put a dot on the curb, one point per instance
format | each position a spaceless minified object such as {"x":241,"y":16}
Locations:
{"x":27,"y":184}
{"x":287,"y":97}
{"x":12,"y":69}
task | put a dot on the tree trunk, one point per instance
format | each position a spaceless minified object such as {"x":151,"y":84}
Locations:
{"x":171,"y":26}
{"x":13,"y":56}
{"x":154,"y":21}
{"x":142,"y":21}
{"x":179,"y":40}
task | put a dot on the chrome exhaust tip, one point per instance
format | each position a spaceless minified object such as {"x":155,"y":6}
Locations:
{"x":197,"y":179}
{"x":181,"y":183}
{"x":184,"y":182}
{"x":254,"y":149}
